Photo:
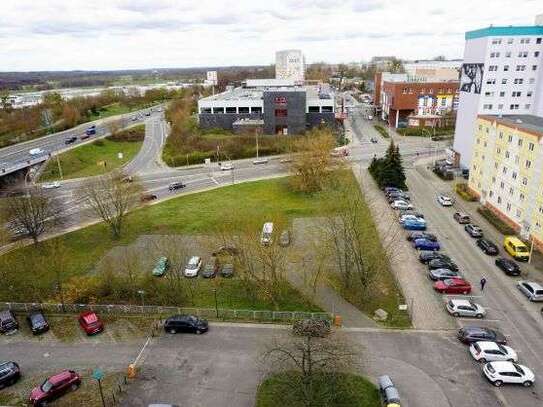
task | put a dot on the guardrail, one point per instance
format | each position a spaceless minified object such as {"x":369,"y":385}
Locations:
{"x":209,"y":313}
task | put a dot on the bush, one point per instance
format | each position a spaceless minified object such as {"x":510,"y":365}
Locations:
{"x":465,"y":193}
{"x":495,"y":221}
{"x":98,"y":143}
{"x":426,"y":132}
{"x":132,"y":134}
{"x":382,"y":130}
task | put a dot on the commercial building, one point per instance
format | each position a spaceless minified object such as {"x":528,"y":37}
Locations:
{"x":434,"y":70}
{"x":290,"y":65}
{"x":506,"y":170}
{"x":276,"y":105}
{"x":501,"y":74}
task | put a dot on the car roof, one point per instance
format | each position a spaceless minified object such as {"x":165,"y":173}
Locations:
{"x":459,"y":302}
{"x":182,"y":317}
{"x":535,"y":285}
{"x":194,"y":259}
{"x":60,"y":376}
{"x":6,"y":314}
{"x":476,"y":329}
{"x":487,"y":345}
{"x":503,"y":365}
{"x":90,"y":317}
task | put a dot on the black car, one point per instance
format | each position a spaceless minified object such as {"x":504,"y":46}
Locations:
{"x":70,"y":140}
{"x":9,"y":374}
{"x":185,"y":323}
{"x":509,"y":267}
{"x":473,"y":230}
{"x":37,"y":322}
{"x":421,"y":235}
{"x":488,"y":247}
{"x":470,"y":334}
{"x":427,"y":256}
{"x":176,"y":185}
{"x":442,"y":264}
{"x":8,"y":322}
{"x":442,"y":274}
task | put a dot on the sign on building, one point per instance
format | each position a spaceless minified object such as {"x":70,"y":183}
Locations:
{"x":212,"y":78}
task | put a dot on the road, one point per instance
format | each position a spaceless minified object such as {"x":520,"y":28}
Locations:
{"x":16,"y":157}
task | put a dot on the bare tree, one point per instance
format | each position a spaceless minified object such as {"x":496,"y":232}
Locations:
{"x":31,"y":213}
{"x":110,"y":197}
{"x":114,"y":126}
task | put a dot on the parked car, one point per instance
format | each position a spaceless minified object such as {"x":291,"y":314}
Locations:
{"x":193,"y":267}
{"x":442,"y":263}
{"x":227,"y":166}
{"x":397,"y":196}
{"x":227,"y":270}
{"x":509,"y":267}
{"x":531,"y":289}
{"x":462,"y":218}
{"x":488,"y":247}
{"x":84,"y":136}
{"x":473,"y":230}
{"x":442,"y":274}
{"x":445,"y":200}
{"x":408,"y":216}
{"x":516,"y":248}
{"x":55,"y":387}
{"x":10,"y":373}
{"x":90,"y":322}
{"x":389,"y":393}
{"x":37,"y":322}
{"x":425,"y":244}
{"x":175,"y":186}
{"x":185,"y":324}
{"x":487,"y":351}
{"x":284,"y":239}
{"x":502,"y":372}
{"x":421,"y":235}
{"x":267,"y":233}
{"x":401,"y":204}
{"x":210,"y":270}
{"x":410,"y":212}
{"x":148,"y":197}
{"x":70,"y":140}
{"x":464,"y":308}
{"x":470,"y":334}
{"x":454,"y":285}
{"x":426,"y":257}
{"x":161,"y":267}
{"x":391,"y":189}
{"x":8,"y":322}
{"x":51,"y":185}
{"x":411,"y":224}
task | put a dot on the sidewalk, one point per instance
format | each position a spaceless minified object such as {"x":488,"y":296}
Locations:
{"x":426,"y":308}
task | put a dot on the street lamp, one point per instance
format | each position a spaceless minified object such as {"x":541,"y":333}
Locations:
{"x":142,"y":293}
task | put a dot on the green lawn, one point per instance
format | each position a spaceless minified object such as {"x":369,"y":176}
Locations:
{"x":89,"y":159}
{"x":344,"y":390}
{"x":113,"y":110}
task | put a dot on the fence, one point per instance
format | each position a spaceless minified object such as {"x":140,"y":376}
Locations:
{"x":156,"y":310}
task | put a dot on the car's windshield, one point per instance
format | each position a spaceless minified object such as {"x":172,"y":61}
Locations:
{"x":518,"y":369}
{"x":46,"y":386}
{"x":522,"y":249}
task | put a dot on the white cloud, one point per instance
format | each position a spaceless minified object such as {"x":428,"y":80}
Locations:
{"x":117,"y":34}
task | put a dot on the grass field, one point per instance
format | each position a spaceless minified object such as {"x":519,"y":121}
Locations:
{"x":113,"y":110}
{"x":347,"y":390}
{"x":98,"y":157}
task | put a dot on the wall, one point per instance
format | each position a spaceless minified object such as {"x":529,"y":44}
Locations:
{"x":223,"y":121}
{"x":316,"y":119}
{"x":295,"y":106}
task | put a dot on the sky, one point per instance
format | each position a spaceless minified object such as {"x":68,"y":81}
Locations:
{"x":133,"y":34}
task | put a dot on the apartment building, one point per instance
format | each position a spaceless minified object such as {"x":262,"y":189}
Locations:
{"x":290,"y":65}
{"x":506,"y":170}
{"x":501,"y":74}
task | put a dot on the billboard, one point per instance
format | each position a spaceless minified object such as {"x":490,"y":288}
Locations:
{"x":212,"y":77}
{"x":471,"y":78}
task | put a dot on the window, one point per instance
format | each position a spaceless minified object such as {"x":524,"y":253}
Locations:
{"x":487,"y":107}
{"x":404,"y":91}
{"x":494,"y":55}
{"x":507,"y":154}
{"x":514,"y":175}
{"x":491,"y":194}
{"x":536,"y":54}
{"x":508,"y":54}
{"x":500,"y":106}
{"x":410,"y":91}
{"x":508,"y":206}
{"x":501,"y":134}
{"x":529,"y":94}
{"x":511,"y":191}
{"x":499,"y":199}
{"x":489,"y":94}
{"x":521,"y":196}
{"x":510,"y":138}
{"x":517,"y":158}
{"x":510,"y":40}
{"x":492,"y":68}
{"x":205,"y":110}
{"x":524,"y":181}
{"x":518,"y":213}
{"x":518,"y":81}
{"x":244,"y":109}
{"x":496,"y":41}
{"x":521,"y":68}
{"x":314,"y":109}
{"x":230,"y":110}
{"x":523,"y":54}
{"x":527,"y":106}
{"x":504,"y":81}
{"x":502,"y":94}
{"x":524,"y":40}
{"x":256,"y":109}
{"x":218,"y":110}
{"x":502,"y":185}
{"x":506,"y":68}
{"x":532,"y":80}
{"x":490,"y":81}
{"x":528,"y":163}
{"x":520,"y":142}
{"x":513,"y":107}
{"x":534,"y":67}
{"x":281,"y":112}
{"x":516,"y":94}
{"x":538,"y":40}
{"x":327,"y":109}
{"x":431,"y":91}
{"x":531,"y":146}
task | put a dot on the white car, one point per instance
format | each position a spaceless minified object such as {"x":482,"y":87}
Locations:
{"x":401,"y":204}
{"x":486,"y":351}
{"x":36,"y":151}
{"x":445,"y":200}
{"x":227,"y":167}
{"x":193,"y":267}
{"x":51,"y":185}
{"x":465,"y":308}
{"x":408,"y":216}
{"x":502,"y":372}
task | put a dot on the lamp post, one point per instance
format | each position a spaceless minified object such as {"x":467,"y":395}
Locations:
{"x":142,"y":293}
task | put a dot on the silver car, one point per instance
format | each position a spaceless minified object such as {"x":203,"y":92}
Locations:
{"x":465,"y":308}
{"x":531,"y":289}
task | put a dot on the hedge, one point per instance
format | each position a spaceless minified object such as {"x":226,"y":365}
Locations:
{"x":426,"y":132}
{"x":499,"y":224}
{"x":382,"y":130}
{"x":465,"y":193}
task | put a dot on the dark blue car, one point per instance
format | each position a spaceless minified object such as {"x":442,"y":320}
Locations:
{"x":412,"y":224}
{"x":425,"y":244}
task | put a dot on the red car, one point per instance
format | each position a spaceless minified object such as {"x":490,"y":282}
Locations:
{"x":54,"y":387}
{"x":453,"y":286}
{"x":90,"y":322}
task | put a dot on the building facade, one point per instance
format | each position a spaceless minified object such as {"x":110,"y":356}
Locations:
{"x":501,"y":74}
{"x":418,"y":104}
{"x":506,"y":170}
{"x":290,"y":65}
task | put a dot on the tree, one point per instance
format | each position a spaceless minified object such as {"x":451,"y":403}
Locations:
{"x":111,"y":197}
{"x":32,"y":213}
{"x":389,"y":171}
{"x":307,"y":365}
{"x":113,"y":127}
{"x":396,"y":66}
{"x":5,"y":102}
{"x":70,"y":116}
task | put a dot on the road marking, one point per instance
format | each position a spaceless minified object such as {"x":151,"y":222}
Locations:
{"x":215,"y":181}
{"x":141,"y":351}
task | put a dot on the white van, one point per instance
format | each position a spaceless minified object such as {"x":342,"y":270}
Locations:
{"x":267,"y":230}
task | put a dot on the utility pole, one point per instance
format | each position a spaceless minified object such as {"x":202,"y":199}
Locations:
{"x":59,"y":168}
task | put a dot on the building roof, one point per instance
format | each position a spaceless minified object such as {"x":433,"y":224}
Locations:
{"x":504,"y":31}
{"x":524,"y":122}
{"x":268,"y":83}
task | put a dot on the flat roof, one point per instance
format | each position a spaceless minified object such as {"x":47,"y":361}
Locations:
{"x":504,"y":31}
{"x":240,"y":93}
{"x":524,"y":122}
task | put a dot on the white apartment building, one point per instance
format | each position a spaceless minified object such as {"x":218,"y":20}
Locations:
{"x":502,"y":74}
{"x":290,"y":65}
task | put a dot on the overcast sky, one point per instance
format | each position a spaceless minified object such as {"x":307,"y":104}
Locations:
{"x":122,"y":34}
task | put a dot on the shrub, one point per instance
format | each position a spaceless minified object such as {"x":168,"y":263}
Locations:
{"x":132,"y":134}
{"x":495,"y":221}
{"x":382,"y":130}
{"x":98,"y":143}
{"x":465,"y":193}
{"x":440,"y":132}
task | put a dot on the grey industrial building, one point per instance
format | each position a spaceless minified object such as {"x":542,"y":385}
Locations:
{"x":275,"y":105}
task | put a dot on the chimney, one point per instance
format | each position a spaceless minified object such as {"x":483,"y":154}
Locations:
{"x":539,"y":19}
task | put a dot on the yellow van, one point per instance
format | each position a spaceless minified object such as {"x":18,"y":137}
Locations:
{"x":516,"y":248}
